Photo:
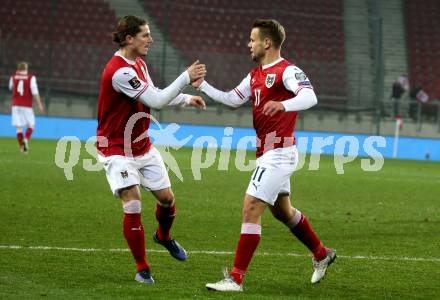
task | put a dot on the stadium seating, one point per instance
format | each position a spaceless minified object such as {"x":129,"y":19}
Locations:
{"x":69,"y":40}
{"x":423,"y":44}
{"x":217,"y":32}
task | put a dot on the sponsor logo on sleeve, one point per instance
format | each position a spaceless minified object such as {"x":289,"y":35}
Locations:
{"x":134,"y":82}
{"x":300,"y":76}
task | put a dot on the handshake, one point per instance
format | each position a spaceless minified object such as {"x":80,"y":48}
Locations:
{"x":197,"y":73}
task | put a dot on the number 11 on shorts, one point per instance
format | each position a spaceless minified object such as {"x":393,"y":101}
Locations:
{"x":258,"y":174}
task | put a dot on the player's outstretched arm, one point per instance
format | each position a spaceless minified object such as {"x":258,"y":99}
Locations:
{"x":234,"y":98}
{"x":196,"y":101}
{"x":188,"y":100}
{"x":156,"y":98}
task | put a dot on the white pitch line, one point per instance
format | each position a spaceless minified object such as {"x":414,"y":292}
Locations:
{"x":207,"y":252}
{"x":414,"y":178}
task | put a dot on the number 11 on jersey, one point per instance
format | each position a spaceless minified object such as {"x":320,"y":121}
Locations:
{"x":257,"y":93}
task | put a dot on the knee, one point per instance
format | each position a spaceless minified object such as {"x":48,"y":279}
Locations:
{"x":130,"y":193}
{"x":284,"y":216}
{"x":250,"y":214}
{"x":247,"y":211}
{"x":166,"y":199}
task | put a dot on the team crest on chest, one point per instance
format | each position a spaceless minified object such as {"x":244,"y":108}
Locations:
{"x":270,"y":80}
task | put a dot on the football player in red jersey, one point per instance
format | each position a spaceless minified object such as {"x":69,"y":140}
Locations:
{"x":130,"y":160}
{"x":277,"y":90}
{"x":24,"y":89}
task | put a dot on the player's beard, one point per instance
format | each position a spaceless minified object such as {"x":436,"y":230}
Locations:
{"x":257,"y":57}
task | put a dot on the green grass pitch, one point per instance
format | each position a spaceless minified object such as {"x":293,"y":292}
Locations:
{"x":385,"y":226}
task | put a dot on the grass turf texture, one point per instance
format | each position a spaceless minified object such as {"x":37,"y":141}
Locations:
{"x":382,"y":216}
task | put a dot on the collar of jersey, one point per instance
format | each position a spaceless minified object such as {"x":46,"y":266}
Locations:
{"x":272,"y":63}
{"x":131,"y":62}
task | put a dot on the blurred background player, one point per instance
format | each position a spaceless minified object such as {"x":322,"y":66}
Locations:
{"x":24,"y":88}
{"x":126,"y":95}
{"x":278,"y":90}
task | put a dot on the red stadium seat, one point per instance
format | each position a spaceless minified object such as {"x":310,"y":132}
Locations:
{"x":225,"y":31}
{"x":79,"y":46}
{"x":423,"y":42}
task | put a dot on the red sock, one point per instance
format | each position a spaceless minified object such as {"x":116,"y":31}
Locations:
{"x":304,"y":232}
{"x":29,"y":133}
{"x":249,"y":239}
{"x":165,"y":217}
{"x":134,"y":234}
{"x":20,"y":138}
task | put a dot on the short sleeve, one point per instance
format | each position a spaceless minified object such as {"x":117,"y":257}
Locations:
{"x":295,"y":79}
{"x":125,"y":80}
{"x":34,"y":86}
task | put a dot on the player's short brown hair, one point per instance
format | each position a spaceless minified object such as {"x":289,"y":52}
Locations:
{"x":272,"y":29}
{"x":128,"y":25}
{"x":22,"y":66}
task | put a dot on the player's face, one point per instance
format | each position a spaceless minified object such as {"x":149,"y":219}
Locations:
{"x":142,"y":41}
{"x":256,"y":45}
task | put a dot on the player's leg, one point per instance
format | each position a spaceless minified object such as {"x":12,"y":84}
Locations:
{"x":20,"y":138}
{"x":154,"y":177}
{"x":300,"y":227}
{"x":250,"y":237}
{"x":165,"y":214}
{"x":29,"y":132}
{"x":273,"y":168}
{"x":124,"y":181}
{"x":18,"y":121}
{"x":30,"y":122}
{"x":134,"y":231}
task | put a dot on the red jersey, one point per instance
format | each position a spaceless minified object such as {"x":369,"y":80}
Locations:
{"x":115,"y":109}
{"x":267,"y":85}
{"x":21,"y":89}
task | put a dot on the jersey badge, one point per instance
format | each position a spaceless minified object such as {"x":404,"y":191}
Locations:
{"x":300,"y":76}
{"x":270,"y":80}
{"x":134,"y":82}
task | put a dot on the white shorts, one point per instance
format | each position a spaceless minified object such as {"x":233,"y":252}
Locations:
{"x":23,"y":116}
{"x":271,"y":176}
{"x":147,"y":170}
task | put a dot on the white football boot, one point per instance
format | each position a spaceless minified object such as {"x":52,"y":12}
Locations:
{"x":321,"y":266}
{"x":225,"y":285}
